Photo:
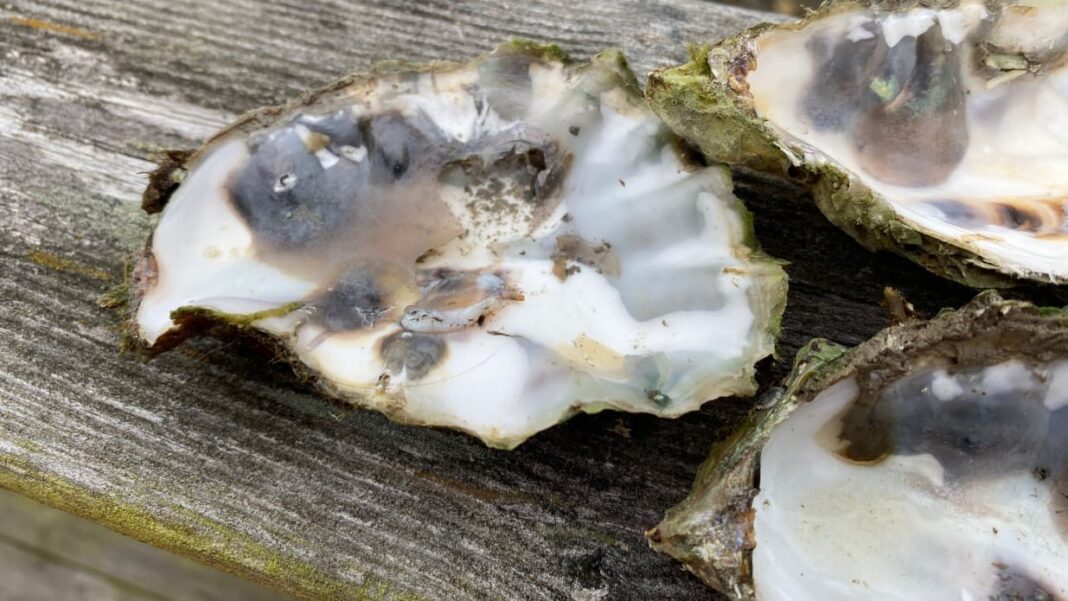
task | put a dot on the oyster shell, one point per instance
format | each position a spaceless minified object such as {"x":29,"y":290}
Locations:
{"x":930,"y":462}
{"x":491,"y":246}
{"x":937,"y":130}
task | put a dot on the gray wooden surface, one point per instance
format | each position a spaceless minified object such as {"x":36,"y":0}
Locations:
{"x":49,"y":555}
{"x":217,"y":453}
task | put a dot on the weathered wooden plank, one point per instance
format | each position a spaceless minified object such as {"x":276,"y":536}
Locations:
{"x":215,"y":453}
{"x":48,"y":555}
{"x":786,"y":7}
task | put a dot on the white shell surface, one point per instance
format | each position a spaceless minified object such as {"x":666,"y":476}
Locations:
{"x":541,"y":238}
{"x":957,"y":118}
{"x":969,"y":502}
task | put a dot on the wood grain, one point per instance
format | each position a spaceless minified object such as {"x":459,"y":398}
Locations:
{"x":217,"y":453}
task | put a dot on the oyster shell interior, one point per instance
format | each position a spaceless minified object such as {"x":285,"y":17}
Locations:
{"x":949,"y":485}
{"x":928,"y":463}
{"x":956,"y":117}
{"x":490,"y":247}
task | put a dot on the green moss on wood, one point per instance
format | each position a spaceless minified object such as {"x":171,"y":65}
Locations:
{"x":198,"y":537}
{"x":63,"y":264}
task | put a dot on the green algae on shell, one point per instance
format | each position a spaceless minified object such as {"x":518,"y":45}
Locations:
{"x":931,"y":458}
{"x":491,"y":246}
{"x":935,"y":130}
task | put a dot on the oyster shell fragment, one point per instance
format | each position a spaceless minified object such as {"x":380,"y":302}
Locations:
{"x":938,"y":130}
{"x":491,"y":247}
{"x":930,"y":462}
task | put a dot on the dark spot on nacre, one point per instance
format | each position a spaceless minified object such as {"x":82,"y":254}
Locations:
{"x":841,"y":68}
{"x":1014,"y":585}
{"x":536,"y":159}
{"x":307,"y":182}
{"x":658,"y":398}
{"x":413,"y":354}
{"x":902,"y":106}
{"x":354,"y":302}
{"x":395,"y":146}
{"x":288,"y":198}
{"x":1018,"y":218}
{"x":340,"y":128}
{"x":912,"y":128}
{"x":976,"y":433}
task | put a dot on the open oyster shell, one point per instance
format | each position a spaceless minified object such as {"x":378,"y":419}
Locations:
{"x":934,"y":129}
{"x":930,"y":462}
{"x":491,"y":246}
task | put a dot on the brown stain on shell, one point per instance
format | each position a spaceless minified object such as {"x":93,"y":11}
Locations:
{"x":571,"y":248}
{"x":164,"y":180}
{"x":856,"y":438}
{"x":414,"y":354}
{"x":395,"y":228}
{"x":1044,"y":218}
{"x":1040,"y":217}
